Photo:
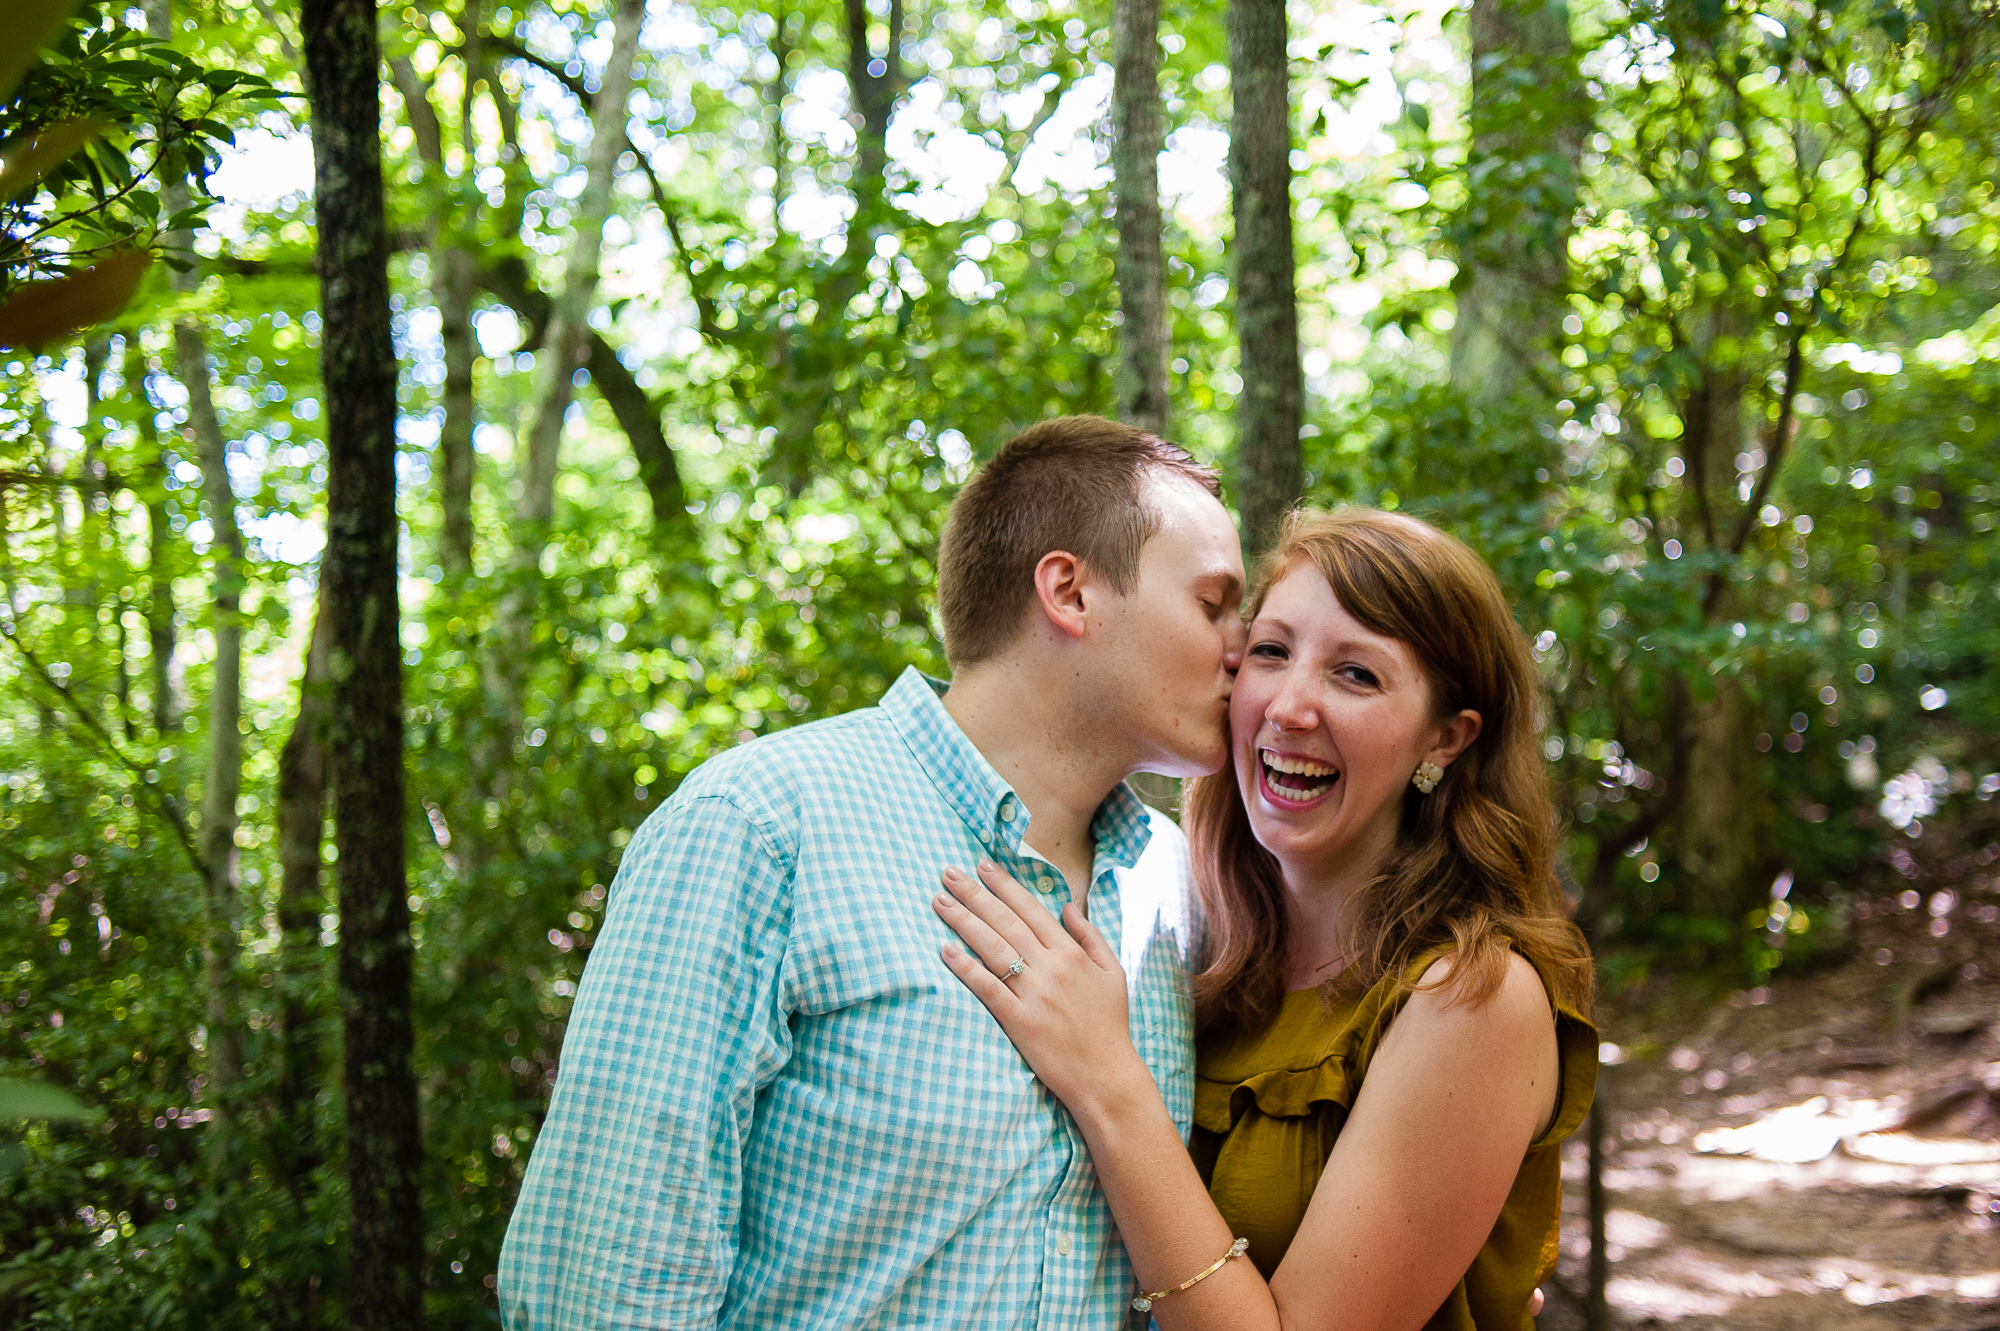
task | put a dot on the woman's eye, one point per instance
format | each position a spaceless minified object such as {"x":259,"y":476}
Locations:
{"x":1269,"y":650}
{"x":1361,"y":675}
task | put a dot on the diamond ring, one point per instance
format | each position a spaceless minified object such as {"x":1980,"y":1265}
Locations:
{"x":1020,"y":964}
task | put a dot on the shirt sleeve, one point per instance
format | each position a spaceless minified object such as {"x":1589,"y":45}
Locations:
{"x":628,"y":1214}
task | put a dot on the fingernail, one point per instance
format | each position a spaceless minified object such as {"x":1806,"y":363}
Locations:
{"x":988,"y":866}
{"x":942,"y":900}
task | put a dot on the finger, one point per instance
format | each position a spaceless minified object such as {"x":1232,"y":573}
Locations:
{"x":985,"y":986}
{"x":1087,"y":938}
{"x":998,"y":915}
{"x":1008,"y":890}
{"x":986,"y":943}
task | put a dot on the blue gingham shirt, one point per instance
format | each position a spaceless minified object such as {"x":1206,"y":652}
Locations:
{"x":778,"y":1109}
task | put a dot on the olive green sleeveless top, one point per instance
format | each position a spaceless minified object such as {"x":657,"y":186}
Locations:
{"x":1269,"y":1104}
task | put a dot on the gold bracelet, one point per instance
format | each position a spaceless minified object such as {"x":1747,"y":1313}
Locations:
{"x":1144,"y":1303}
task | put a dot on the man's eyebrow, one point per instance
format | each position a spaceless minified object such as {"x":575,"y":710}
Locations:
{"x":1228,"y":579}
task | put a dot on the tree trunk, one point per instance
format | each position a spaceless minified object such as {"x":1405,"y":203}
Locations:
{"x":358,"y":572}
{"x":294,"y":1145}
{"x":1718,"y":841}
{"x":566,"y":345}
{"x":1138,"y":135}
{"x":1717,"y":821}
{"x":302,"y":772}
{"x":775,"y":93}
{"x":804,"y":391}
{"x":459,"y":273}
{"x":565,"y":350}
{"x":222,"y":782}
{"x":159,"y":551}
{"x":1269,"y":470}
{"x":454,"y":277}
{"x":874,"y":82}
{"x":1528,"y":127}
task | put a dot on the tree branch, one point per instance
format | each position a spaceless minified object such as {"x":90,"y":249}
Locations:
{"x":1780,"y":439}
{"x":636,"y":412}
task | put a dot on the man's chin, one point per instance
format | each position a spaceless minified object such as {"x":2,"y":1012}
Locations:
{"x":1186,"y":766}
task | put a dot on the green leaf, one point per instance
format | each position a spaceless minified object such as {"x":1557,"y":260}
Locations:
{"x":34,"y":24}
{"x":39,"y":1100}
{"x":54,"y":145}
{"x":38,"y":313}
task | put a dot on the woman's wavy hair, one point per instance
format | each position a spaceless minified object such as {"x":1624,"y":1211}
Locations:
{"x":1474,"y":867}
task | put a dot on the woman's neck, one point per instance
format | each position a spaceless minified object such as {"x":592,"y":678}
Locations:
{"x":1320,"y":901}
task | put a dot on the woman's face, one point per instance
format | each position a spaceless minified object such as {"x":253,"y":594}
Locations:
{"x":1328,"y":722}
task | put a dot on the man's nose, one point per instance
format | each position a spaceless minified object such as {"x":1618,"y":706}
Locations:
{"x":1234,"y":634}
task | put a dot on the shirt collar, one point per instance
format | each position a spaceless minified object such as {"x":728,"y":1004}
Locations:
{"x":981,"y":798}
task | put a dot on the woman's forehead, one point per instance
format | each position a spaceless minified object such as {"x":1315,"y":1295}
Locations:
{"x":1303,"y":606}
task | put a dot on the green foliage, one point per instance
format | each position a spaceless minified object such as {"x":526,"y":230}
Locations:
{"x":822,"y":388}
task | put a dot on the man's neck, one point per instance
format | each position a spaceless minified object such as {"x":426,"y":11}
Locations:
{"x":1019,"y":723}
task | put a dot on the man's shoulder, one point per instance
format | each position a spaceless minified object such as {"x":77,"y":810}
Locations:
{"x":773,"y":779}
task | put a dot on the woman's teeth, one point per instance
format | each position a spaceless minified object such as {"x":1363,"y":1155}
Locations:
{"x":1297,"y":778}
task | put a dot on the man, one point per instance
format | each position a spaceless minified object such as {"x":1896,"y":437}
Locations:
{"x":777,"y":1108}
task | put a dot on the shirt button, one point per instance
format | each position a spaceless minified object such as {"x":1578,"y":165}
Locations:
{"x":1009,"y":809}
{"x":1062,"y":1245}
{"x":1045,"y":884}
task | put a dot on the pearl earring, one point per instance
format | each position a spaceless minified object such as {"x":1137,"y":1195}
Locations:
{"x":1426,"y":776}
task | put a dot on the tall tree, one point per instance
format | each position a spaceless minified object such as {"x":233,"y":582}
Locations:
{"x":222,"y":783}
{"x":1138,"y":134}
{"x":358,"y":363}
{"x":1270,"y":410}
{"x":1529,"y":115}
{"x":302,"y":773}
{"x":293,"y":1130}
{"x":159,"y":609}
{"x":809,"y":389}
{"x":565,"y":350}
{"x":454,"y":275}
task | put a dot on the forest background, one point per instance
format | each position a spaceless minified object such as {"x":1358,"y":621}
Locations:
{"x":1685,"y":313}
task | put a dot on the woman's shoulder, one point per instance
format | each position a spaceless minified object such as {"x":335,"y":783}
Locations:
{"x":1489,"y":1035}
{"x":1504,"y":1008}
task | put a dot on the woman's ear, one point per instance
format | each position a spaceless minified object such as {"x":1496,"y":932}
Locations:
{"x":1454,"y":737}
{"x":1059,"y":592}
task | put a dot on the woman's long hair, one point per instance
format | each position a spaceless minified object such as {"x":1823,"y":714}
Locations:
{"x":1473,"y":869}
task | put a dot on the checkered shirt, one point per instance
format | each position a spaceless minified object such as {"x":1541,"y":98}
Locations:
{"x":778,"y":1109}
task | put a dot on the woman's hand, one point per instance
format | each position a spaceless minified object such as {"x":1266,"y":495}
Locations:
{"x":1065,"y":1007}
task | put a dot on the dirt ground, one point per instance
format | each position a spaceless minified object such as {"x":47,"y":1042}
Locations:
{"x":1823,"y":1154}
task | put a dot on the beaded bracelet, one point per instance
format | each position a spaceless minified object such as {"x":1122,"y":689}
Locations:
{"x":1144,"y":1303}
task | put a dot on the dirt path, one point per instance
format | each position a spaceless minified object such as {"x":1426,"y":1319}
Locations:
{"x":1823,"y":1155}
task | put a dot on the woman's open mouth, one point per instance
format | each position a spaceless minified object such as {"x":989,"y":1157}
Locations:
{"x":1293,"y":782}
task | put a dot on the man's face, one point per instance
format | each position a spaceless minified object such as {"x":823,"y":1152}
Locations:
{"x":1169,"y":651}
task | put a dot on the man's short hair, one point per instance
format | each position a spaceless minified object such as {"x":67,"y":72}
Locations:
{"x":1074,"y":483}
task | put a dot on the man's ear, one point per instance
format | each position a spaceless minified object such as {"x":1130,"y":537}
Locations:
{"x":1059,"y":592}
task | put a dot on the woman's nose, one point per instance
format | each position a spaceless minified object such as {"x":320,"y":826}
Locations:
{"x":1290,"y":707}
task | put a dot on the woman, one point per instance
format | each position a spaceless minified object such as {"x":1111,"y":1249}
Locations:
{"x":1389,"y":995}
